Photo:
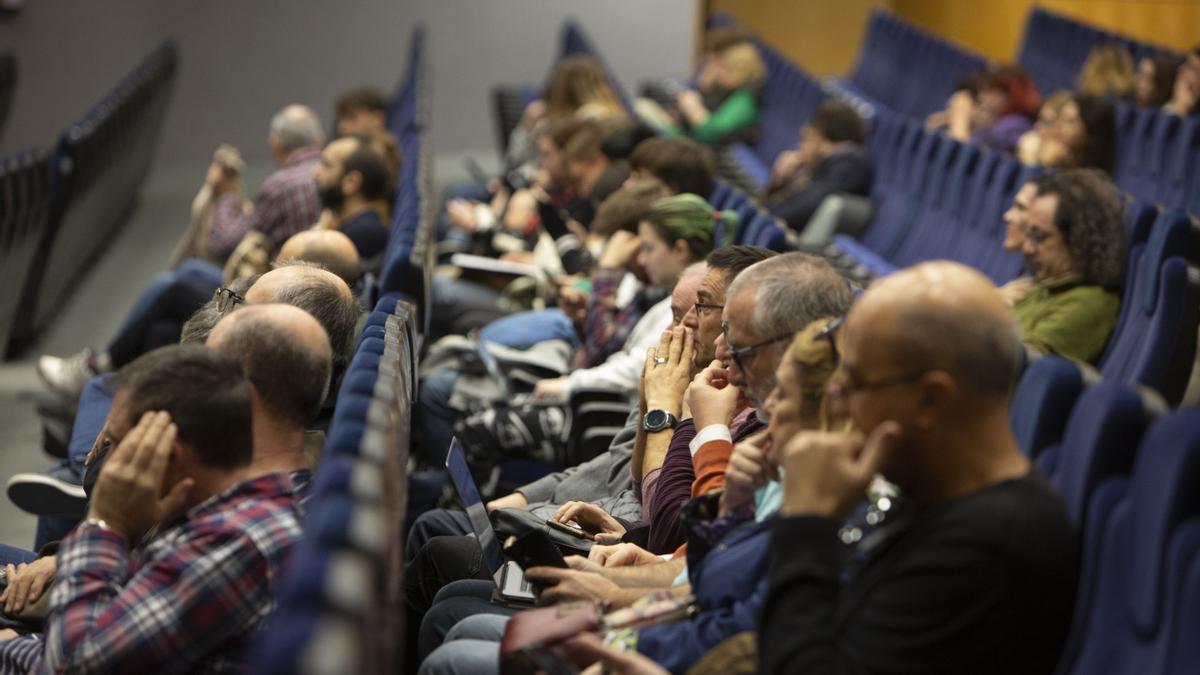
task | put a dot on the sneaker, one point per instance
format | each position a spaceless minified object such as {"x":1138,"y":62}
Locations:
{"x":44,"y":495}
{"x":68,"y":376}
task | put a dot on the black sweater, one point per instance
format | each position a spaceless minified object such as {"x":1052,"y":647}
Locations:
{"x":982,"y":584}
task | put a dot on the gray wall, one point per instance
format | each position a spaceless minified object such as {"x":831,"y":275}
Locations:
{"x":241,"y":61}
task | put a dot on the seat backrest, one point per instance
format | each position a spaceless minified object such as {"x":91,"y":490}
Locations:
{"x":1042,"y":402}
{"x":24,"y":204}
{"x":8,"y":84}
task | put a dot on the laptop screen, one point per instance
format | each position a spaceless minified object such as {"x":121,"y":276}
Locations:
{"x":464,"y":484}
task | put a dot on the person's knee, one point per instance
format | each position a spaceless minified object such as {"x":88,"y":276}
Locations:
{"x":488,"y":627}
{"x":469,"y":657}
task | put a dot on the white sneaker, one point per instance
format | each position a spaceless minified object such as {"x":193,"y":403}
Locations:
{"x":66,"y":376}
{"x":44,"y":495}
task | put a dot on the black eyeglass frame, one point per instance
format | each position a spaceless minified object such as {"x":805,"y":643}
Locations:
{"x":227,"y":299}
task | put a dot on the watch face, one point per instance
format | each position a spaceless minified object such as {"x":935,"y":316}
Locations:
{"x":656,"y":419}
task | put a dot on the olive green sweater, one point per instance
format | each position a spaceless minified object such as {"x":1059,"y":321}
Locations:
{"x":1065,"y":317}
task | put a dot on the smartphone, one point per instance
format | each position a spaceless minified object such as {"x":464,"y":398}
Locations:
{"x":533,"y":549}
{"x":578,"y":532}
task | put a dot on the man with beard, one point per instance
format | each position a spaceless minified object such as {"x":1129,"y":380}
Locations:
{"x":353,"y":184}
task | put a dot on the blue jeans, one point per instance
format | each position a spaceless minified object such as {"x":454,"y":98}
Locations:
{"x":90,"y":416}
{"x":525,"y":329}
{"x":472,"y":647}
{"x":454,"y":603}
{"x":162,"y":307}
{"x":11,"y":555}
{"x":435,"y":414}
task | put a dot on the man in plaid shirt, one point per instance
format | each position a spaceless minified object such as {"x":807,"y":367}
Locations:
{"x":287,"y":201}
{"x":188,"y":596}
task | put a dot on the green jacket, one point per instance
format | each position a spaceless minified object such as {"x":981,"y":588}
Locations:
{"x":1064,"y":317}
{"x":738,"y":111}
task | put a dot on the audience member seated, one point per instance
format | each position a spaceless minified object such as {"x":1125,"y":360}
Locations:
{"x":1186,"y":90}
{"x":992,"y":109}
{"x":676,"y":232}
{"x":1107,"y":72}
{"x":354,"y":186}
{"x":728,"y":548}
{"x":286,"y":203}
{"x":285,"y":355}
{"x":1074,"y":242}
{"x":362,"y":110}
{"x":1072,"y":131}
{"x":159,"y":313}
{"x":317,"y":291}
{"x":1155,"y":80}
{"x":830,"y":159}
{"x":981,"y":575}
{"x":724,"y":107}
{"x":179,"y":558}
{"x":681,"y":164}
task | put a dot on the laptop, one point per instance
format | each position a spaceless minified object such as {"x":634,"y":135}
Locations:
{"x":509,"y":578}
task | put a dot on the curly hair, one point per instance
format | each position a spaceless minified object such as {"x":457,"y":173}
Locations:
{"x":1091,"y":220}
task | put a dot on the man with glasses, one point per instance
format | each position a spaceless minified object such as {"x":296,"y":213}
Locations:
{"x":1074,"y":242}
{"x":980,"y":576}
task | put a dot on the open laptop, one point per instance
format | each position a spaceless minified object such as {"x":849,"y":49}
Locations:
{"x":510,"y":581}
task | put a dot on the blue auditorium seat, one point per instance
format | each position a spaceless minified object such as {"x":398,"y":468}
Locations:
{"x":312,"y":642}
{"x":1181,"y":185}
{"x":1139,"y":221}
{"x":1130,"y":627}
{"x":24,"y":204}
{"x":1156,"y":330}
{"x":1042,"y":402}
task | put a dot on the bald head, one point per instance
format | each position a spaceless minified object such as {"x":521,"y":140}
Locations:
{"x":943,"y":316}
{"x":683,"y":297}
{"x":295,"y":127}
{"x":329,"y":248}
{"x":285,"y":354}
{"x":320,"y":293}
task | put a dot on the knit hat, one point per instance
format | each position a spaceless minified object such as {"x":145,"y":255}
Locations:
{"x":689,"y":216}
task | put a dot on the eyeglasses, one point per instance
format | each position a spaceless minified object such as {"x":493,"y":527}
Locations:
{"x":227,"y":299}
{"x":738,"y":353}
{"x":841,"y":388}
{"x":1038,"y":237}
{"x":702,"y":307}
{"x":827,"y":334}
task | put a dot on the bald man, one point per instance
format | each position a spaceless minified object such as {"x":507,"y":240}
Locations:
{"x":980,"y":574}
{"x":287,"y":201}
{"x":286,"y":356}
{"x":329,"y":248}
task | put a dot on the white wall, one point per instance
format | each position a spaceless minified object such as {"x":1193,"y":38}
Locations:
{"x":242,"y":60}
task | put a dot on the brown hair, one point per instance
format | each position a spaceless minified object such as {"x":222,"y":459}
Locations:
{"x":627,"y":207}
{"x":682,"y":164}
{"x":577,"y":81}
{"x":1108,"y":71}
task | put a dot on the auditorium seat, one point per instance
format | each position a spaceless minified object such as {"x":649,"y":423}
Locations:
{"x":8,"y":84}
{"x":24,"y":203}
{"x":97,"y":169}
{"x":1146,"y":545}
{"x":1156,"y":330}
{"x":1042,"y":402}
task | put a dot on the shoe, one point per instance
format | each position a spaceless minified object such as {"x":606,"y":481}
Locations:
{"x":68,"y":376}
{"x":44,"y":495}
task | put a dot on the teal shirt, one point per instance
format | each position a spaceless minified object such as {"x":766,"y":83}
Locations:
{"x":1065,"y":317}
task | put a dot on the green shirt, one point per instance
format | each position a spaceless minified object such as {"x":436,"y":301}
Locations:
{"x":738,"y":111}
{"x":1065,"y":317}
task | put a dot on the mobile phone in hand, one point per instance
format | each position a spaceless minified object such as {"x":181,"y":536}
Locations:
{"x":574,"y":531}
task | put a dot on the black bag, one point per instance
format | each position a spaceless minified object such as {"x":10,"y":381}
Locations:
{"x":524,"y":428}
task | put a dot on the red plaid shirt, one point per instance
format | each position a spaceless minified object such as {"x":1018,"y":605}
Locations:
{"x":286,"y":204}
{"x":188,"y":600}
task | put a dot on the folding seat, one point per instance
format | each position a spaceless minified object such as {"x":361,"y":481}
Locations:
{"x":1044,"y":397}
{"x":1183,"y":570}
{"x":345,"y":475}
{"x":311,"y":642}
{"x":24,"y":202}
{"x":1182,"y":166}
{"x":1139,"y":220}
{"x":1129,"y":628}
{"x":935,"y":220}
{"x":1156,"y":330}
{"x":1132,"y":169}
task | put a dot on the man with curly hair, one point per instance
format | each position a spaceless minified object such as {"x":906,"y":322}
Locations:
{"x":1074,"y":241}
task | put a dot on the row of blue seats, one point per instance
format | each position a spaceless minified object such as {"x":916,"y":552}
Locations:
{"x":24,"y":202}
{"x":1127,"y":471}
{"x":756,"y":226}
{"x":909,"y":69}
{"x":1158,"y":156}
{"x":1054,"y":48}
{"x":8,"y":85}
{"x":340,"y":608}
{"x":96,"y":170}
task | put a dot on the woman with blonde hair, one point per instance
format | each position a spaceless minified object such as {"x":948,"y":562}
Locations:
{"x":1107,"y":72}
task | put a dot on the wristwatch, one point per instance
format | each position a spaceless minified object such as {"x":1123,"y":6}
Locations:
{"x":657,"y":420}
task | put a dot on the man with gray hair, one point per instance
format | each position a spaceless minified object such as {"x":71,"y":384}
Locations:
{"x":287,"y":201}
